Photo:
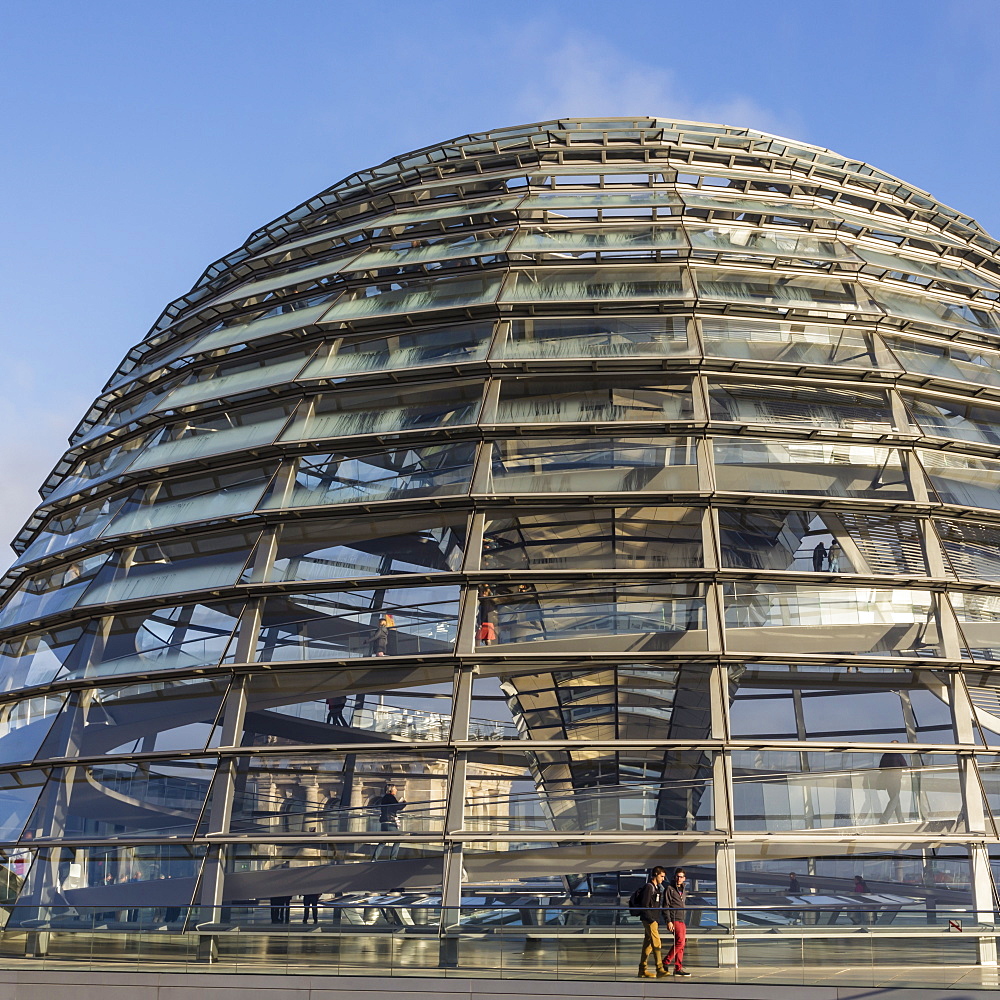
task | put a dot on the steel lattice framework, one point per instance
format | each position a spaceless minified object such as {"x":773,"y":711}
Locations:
{"x":621,"y":491}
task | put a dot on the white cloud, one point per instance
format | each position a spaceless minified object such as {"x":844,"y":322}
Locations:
{"x":583,"y":76}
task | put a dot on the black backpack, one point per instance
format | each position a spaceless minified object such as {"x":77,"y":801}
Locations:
{"x":635,"y":901}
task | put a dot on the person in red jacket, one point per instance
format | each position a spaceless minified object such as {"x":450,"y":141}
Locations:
{"x":675,"y":915}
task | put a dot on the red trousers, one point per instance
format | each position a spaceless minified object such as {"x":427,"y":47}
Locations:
{"x":676,"y":954}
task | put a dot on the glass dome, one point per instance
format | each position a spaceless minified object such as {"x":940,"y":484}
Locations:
{"x":619,"y":492}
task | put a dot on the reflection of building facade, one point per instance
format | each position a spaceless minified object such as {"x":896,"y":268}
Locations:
{"x":629,"y":480}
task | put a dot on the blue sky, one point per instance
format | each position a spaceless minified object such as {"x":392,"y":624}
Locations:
{"x":139,"y":141}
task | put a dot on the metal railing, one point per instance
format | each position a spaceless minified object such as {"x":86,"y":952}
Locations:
{"x":526,"y":937}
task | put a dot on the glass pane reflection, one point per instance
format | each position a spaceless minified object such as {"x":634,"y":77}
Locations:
{"x":656,"y":615}
{"x":152,"y":798}
{"x":541,"y":401}
{"x":860,"y":620}
{"x":753,"y":465}
{"x":615,"y":538}
{"x":589,"y":337}
{"x":593,"y":465}
{"x":777,"y":791}
{"x":332,"y":478}
{"x":346,"y":624}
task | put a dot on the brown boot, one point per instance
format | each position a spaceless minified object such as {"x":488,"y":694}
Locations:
{"x":644,"y":973}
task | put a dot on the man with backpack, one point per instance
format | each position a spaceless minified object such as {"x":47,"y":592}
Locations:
{"x":647,"y":904}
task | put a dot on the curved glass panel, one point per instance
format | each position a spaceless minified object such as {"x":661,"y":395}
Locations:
{"x":433,"y":249}
{"x":403,"y":349}
{"x":168,"y":716}
{"x":779,"y":790}
{"x":793,"y":343}
{"x":201,"y":498}
{"x":19,"y":791}
{"x":652,"y":616}
{"x":281,"y":319}
{"x":199,"y":562}
{"x":120,"y":798}
{"x":754,"y":465}
{"x":165,"y":638}
{"x":747,"y":244}
{"x":329,"y":706}
{"x":557,"y":200}
{"x":963,"y":480}
{"x":67,"y":529}
{"x":331,"y":550}
{"x":829,"y":541}
{"x":434,"y":470}
{"x":584,"y":465}
{"x":541,"y":401}
{"x":605,"y":240}
{"x":321,"y":273}
{"x":925,"y":309}
{"x":24,"y":725}
{"x":37,"y":658}
{"x":776,"y":289}
{"x":947,"y":418}
{"x":388,"y":297}
{"x":972,"y":550}
{"x":613,"y":538}
{"x":932,"y":270}
{"x":339,"y":793}
{"x":953,"y":361}
{"x":51,"y":591}
{"x":233,"y":431}
{"x":335,"y":626}
{"x":849,"y":408}
{"x":592,"y":337}
{"x":587,"y":284}
{"x":343,"y":415}
{"x":219,"y":381}
{"x":822,"y":619}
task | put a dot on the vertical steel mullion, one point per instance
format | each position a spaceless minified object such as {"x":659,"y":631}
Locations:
{"x":474,"y":543}
{"x":490,"y":401}
{"x":452,"y":874}
{"x":223,"y":787}
{"x":482,"y":468}
{"x":468,"y":608}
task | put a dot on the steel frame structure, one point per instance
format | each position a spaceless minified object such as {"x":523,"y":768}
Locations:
{"x":671,"y":452}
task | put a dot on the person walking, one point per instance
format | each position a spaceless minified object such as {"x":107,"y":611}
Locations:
{"x":675,"y":913}
{"x":380,"y":641}
{"x":833,"y":557}
{"x":891,"y":767}
{"x":335,"y":711}
{"x":310,"y":907}
{"x":819,"y":557}
{"x":389,"y":807}
{"x":651,"y":906}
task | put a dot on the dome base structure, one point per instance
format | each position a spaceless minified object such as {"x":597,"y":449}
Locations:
{"x":506,"y":520}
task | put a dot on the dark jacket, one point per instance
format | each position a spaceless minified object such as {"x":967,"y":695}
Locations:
{"x":380,"y":641}
{"x":389,"y":808}
{"x":651,"y":903}
{"x":893,"y":759}
{"x":674,"y":903}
